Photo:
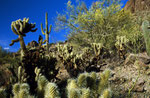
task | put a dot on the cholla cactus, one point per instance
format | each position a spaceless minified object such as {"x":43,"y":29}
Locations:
{"x":37,"y":72}
{"x":74,"y":93}
{"x":120,"y":42}
{"x":20,"y":28}
{"x":21,"y":90}
{"x":103,"y":83}
{"x":2,"y":93}
{"x":72,"y":84}
{"x":82,"y":80}
{"x":21,"y":75}
{"x":42,"y":82}
{"x":106,"y":94}
{"x":97,"y":48}
{"x":51,"y":91}
{"x":86,"y":93}
{"x":87,"y":85}
{"x":146,"y":34}
{"x":70,"y":60}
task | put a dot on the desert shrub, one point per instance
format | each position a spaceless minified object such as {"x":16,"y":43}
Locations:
{"x":102,"y":22}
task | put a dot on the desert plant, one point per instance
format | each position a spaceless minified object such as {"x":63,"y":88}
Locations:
{"x":100,"y":23}
{"x":86,"y":85}
{"x":121,"y":42}
{"x":20,"y":28}
{"x":97,"y":48}
{"x":47,"y":32}
{"x":21,"y":90}
{"x":71,"y":61}
{"x":51,"y":91}
{"x":146,"y":34}
{"x":41,"y":82}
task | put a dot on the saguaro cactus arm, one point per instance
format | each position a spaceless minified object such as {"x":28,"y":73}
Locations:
{"x":50,"y":28}
{"x":42,"y":29}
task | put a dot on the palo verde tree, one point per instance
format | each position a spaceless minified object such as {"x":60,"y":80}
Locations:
{"x":102,"y":22}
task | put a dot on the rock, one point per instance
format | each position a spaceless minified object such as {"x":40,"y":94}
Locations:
{"x":138,"y":88}
{"x":140,"y":65}
{"x":143,"y":57}
{"x":137,"y":5}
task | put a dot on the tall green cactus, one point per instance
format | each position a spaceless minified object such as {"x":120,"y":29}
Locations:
{"x":47,"y":32}
{"x":146,"y":34}
{"x":20,"y":28}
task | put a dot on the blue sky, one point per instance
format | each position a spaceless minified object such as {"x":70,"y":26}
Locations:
{"x":11,"y":10}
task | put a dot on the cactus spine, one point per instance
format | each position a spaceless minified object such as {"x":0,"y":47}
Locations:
{"x":146,"y":33}
{"x":46,"y":33}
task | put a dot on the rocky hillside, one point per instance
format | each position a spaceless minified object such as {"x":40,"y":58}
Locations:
{"x":137,"y":5}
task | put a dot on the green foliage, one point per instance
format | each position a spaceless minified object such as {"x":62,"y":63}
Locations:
{"x":146,"y":33}
{"x":47,"y":32}
{"x":100,"y":23}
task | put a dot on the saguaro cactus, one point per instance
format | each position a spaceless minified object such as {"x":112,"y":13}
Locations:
{"x":46,"y":33}
{"x":146,"y":34}
{"x":20,"y":28}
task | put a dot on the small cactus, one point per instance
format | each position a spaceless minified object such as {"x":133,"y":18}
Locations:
{"x":106,"y":94}
{"x":51,"y":91}
{"x":82,"y":80}
{"x":72,"y":84}
{"x":42,"y":82}
{"x":86,"y":93}
{"x":103,"y":83}
{"x":73,"y":93}
{"x":21,"y":90}
{"x":97,"y":48}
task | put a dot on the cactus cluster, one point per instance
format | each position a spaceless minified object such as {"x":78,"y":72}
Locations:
{"x":87,"y":85}
{"x":72,"y":62}
{"x":46,"y":33}
{"x":21,"y":90}
{"x":146,"y":34}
